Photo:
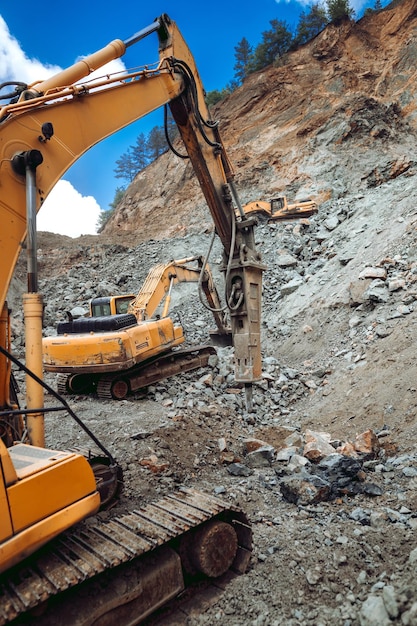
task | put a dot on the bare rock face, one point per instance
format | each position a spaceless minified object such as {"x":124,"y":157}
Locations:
{"x":336,"y":117}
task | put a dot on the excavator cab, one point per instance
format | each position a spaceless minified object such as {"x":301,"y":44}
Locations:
{"x":110,"y":305}
{"x":277,"y":204}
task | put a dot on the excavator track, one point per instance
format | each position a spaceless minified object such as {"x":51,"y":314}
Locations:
{"x":124,"y":569}
{"x":117,"y":386}
{"x":73,"y":383}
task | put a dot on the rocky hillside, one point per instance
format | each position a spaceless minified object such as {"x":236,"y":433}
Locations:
{"x":336,"y":121}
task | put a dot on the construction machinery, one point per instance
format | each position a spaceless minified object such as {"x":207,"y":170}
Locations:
{"x":57,"y":568}
{"x":130,"y":342}
{"x":102,"y":306}
{"x":278,"y":209}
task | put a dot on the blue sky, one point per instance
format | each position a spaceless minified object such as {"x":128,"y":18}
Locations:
{"x":46,"y":34}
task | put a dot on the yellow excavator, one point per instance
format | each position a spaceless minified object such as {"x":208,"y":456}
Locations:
{"x":130,"y":342}
{"x":56,"y":568}
{"x":278,"y":209}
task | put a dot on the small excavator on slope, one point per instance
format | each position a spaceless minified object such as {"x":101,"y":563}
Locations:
{"x":56,"y":568}
{"x":278,"y":209}
{"x":124,"y":346}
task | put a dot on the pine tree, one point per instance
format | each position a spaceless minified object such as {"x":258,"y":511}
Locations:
{"x":125,"y":166}
{"x":310,"y":24}
{"x":104,"y":216}
{"x":339,"y":10}
{"x":275,"y":43}
{"x":243,"y":56}
{"x":140,"y":152}
{"x":215,"y":96}
{"x":156,"y":144}
{"x":118,"y":196}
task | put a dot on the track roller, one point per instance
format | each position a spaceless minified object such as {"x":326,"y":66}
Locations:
{"x":210,"y":549}
{"x":109,"y":387}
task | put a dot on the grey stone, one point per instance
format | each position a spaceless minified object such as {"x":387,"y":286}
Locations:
{"x":373,"y":612}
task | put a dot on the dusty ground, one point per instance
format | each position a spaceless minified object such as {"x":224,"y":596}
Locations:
{"x":320,"y":563}
{"x":340,"y":561}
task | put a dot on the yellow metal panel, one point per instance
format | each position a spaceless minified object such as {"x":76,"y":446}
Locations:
{"x":9,"y":474}
{"x":110,"y":351}
{"x":45,"y":492}
{"x":88,"y":349}
{"x":28,"y":459}
{"x":5,"y":521}
{"x":26,"y":542}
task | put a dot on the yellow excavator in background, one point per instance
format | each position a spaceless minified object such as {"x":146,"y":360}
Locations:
{"x":124,"y":346}
{"x":278,"y":209}
{"x":127,"y":566}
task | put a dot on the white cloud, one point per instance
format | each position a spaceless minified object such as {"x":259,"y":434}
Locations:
{"x":66,"y":212}
{"x":15,"y":65}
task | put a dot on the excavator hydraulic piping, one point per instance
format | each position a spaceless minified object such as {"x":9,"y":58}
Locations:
{"x":237,"y":200}
{"x":158,"y":25}
{"x":50,"y":409}
{"x":32,"y":159}
{"x":33,"y":303}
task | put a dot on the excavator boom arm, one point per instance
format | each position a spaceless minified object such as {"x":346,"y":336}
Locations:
{"x":80,"y":121}
{"x":79,"y":116}
{"x":158,"y":284}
